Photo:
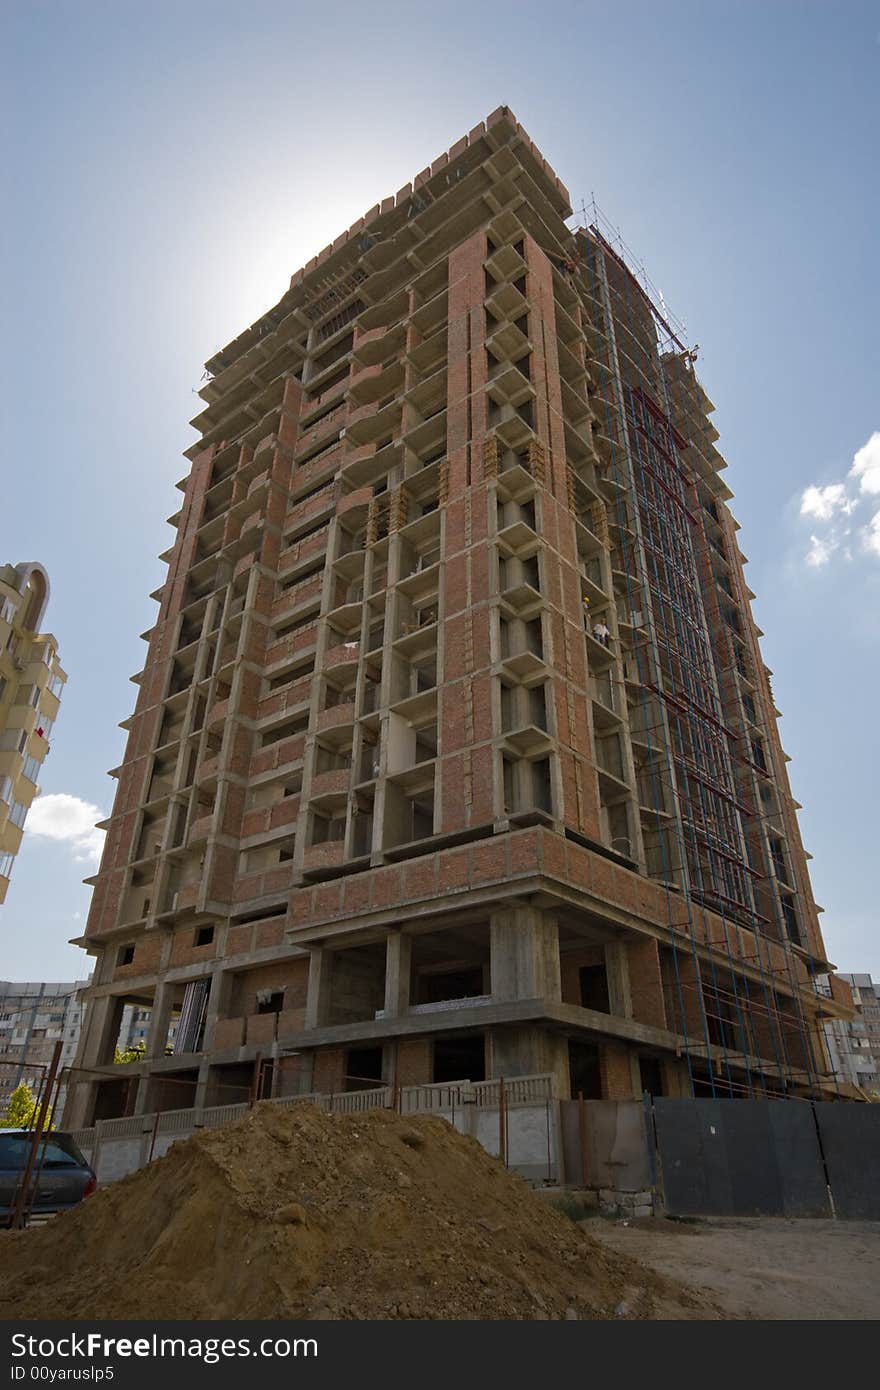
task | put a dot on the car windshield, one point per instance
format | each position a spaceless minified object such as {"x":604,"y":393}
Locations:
{"x":57,"y":1151}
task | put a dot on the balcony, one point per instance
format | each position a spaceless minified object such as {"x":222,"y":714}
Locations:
{"x":354,"y":503}
{"x":418,"y":643}
{"x":523,"y":599}
{"x":376,"y":382}
{"x":506,"y":264}
{"x":430,"y":353}
{"x":343,"y":656}
{"x":292,"y":644}
{"x":529,"y":741}
{"x":509,"y":384}
{"x":600,"y":657}
{"x":218,"y":713}
{"x":336,"y":718}
{"x":506,"y":302}
{"x":523,"y":664}
{"x":201,"y":828}
{"x":304,"y":593}
{"x":370,"y":425}
{"x":327,"y":856}
{"x":332,"y":786}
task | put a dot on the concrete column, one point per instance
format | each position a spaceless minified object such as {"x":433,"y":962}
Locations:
{"x":527,"y":1050}
{"x":200,"y":1100}
{"x":676,"y":1081}
{"x":219,"y":999}
{"x":96,"y":1049}
{"x":318,"y":997}
{"x":157,"y":1037}
{"x":159,"y":1020}
{"x":398,"y":965}
{"x":525,"y":955}
{"x":617,"y":974}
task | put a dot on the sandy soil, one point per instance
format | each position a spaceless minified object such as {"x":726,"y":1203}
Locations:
{"x":299,"y":1213}
{"x":762,"y":1268}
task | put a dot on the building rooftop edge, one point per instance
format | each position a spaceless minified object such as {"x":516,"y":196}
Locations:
{"x":501,"y":115}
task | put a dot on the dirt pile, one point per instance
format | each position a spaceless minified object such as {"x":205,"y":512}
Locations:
{"x":297,"y":1213}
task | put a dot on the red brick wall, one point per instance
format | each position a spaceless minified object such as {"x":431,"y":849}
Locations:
{"x":616,"y":1072}
{"x":645,"y":983}
{"x":414,"y":1062}
{"x":329,"y":1073}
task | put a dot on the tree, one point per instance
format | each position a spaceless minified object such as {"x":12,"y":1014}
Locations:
{"x":20,"y":1109}
{"x":130,"y":1054}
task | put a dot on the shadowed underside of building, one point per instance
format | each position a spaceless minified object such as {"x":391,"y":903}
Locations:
{"x":454,"y":754}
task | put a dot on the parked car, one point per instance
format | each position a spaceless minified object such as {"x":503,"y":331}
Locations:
{"x":64,"y":1175}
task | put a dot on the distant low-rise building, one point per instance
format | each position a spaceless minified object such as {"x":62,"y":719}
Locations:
{"x":854,"y":1044}
{"x":31,"y":682}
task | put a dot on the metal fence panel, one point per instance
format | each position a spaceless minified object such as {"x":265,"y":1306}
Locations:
{"x":851,"y":1143}
{"x":740,"y":1158}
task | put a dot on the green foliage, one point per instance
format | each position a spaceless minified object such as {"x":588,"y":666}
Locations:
{"x":20,"y":1109}
{"x":131,"y":1054}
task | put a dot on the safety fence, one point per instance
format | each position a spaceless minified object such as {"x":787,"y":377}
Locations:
{"x":704,"y":1157}
{"x":516,"y":1120}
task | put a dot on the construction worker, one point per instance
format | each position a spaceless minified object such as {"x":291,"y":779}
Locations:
{"x":601,"y":632}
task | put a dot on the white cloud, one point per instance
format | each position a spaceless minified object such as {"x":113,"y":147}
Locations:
{"x":871,"y":534}
{"x":59,"y":816}
{"x":820,"y":551}
{"x":866,"y":465}
{"x":823,"y":502}
{"x":832,"y":504}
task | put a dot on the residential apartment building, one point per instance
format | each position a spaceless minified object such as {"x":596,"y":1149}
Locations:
{"x":34,"y":1016}
{"x":854,"y":1043}
{"x":454,"y":753}
{"x":31,"y":682}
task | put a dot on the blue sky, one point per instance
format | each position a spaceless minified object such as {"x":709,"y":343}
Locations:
{"x":170,"y":165}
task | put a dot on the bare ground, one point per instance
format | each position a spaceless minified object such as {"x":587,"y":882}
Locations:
{"x":761,"y":1267}
{"x":301,"y":1213}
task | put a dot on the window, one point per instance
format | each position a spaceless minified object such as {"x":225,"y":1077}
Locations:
{"x":125,"y":955}
{"x":6,"y":865}
{"x":363,"y":1068}
{"x":18,"y":814}
{"x":328,"y":829}
{"x":5,"y":788}
{"x":58,"y":1152}
{"x":270,"y":1001}
{"x":56,"y":685}
{"x":7,"y":613}
{"x":204,"y":936}
{"x":790,"y":917}
{"x":31,"y":769}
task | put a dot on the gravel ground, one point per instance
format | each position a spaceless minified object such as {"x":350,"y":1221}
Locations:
{"x":761,"y":1267}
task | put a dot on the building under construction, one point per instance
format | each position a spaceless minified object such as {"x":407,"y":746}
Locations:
{"x":454,"y":753}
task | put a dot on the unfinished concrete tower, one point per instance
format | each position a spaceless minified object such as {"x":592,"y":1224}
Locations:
{"x":454,"y":754}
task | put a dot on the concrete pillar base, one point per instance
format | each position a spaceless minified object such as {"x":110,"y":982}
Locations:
{"x":529,"y":1051}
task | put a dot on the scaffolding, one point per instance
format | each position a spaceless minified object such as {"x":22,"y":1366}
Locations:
{"x":685,"y":661}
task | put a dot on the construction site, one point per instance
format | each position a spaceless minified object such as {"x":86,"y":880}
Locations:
{"x":453,"y":852}
{"x":454,"y":757}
